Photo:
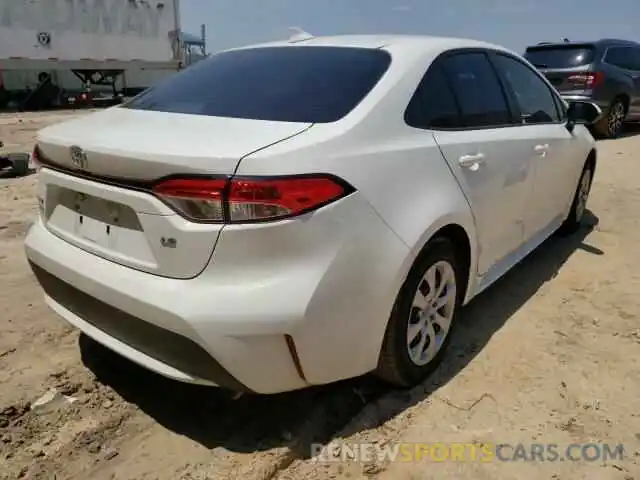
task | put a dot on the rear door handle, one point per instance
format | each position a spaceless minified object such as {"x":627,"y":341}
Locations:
{"x":472,"y":161}
{"x":541,"y":148}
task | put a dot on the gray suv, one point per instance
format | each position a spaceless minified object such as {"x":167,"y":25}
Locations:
{"x":605,"y":72}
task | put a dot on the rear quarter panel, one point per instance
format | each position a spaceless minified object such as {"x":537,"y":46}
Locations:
{"x":404,"y":181}
{"x":401,"y":173}
{"x":616,"y":83}
{"x":398,"y":169}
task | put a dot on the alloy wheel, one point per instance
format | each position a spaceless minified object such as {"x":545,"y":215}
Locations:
{"x":583,"y":194}
{"x":616,"y":118}
{"x":432,"y":312}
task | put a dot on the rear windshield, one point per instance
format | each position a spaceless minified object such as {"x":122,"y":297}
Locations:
{"x":288,"y":84}
{"x":560,"y":56}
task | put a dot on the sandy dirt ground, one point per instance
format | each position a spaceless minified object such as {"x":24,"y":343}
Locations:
{"x":550,"y":354}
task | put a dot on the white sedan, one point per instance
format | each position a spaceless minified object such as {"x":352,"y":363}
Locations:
{"x":302,"y":212}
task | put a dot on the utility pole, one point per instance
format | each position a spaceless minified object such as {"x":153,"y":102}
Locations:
{"x":203,"y":35}
{"x":179,"y":53}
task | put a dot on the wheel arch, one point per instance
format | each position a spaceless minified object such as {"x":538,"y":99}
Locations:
{"x":464,"y":252}
{"x":626,"y":100}
{"x":458,"y":236}
{"x":461,"y":233}
{"x":592,"y":161}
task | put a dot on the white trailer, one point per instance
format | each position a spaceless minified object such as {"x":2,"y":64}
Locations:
{"x":75,"y":44}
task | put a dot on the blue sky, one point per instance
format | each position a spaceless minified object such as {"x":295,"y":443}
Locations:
{"x":512,"y":23}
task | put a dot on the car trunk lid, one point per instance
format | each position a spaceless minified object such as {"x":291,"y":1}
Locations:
{"x":95,"y":187}
{"x":143,"y":145}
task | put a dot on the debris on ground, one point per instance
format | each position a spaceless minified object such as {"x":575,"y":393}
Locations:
{"x":50,"y":401}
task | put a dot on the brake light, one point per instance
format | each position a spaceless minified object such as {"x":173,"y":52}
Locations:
{"x":196,"y":198}
{"x":588,"y":80}
{"x":249,"y":199}
{"x":35,"y":158}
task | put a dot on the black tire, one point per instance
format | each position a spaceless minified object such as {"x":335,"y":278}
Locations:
{"x":20,"y":164}
{"x":395,"y":365}
{"x":610,"y":125}
{"x":576,"y":214}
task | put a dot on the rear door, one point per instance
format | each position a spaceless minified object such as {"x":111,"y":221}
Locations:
{"x":634,"y":110}
{"x":567,"y":67}
{"x":483,"y":147}
{"x":550,"y":153}
{"x":622,"y":61}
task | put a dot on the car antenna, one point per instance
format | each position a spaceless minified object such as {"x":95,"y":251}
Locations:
{"x":299,"y":35}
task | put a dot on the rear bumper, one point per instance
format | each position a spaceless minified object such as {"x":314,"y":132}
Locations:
{"x":168,"y":353}
{"x":145,"y":318}
{"x":602,"y":103}
{"x":255,"y":321}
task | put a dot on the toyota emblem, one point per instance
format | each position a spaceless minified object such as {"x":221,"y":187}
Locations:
{"x":79,"y":158}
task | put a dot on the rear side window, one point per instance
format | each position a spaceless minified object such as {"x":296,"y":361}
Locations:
{"x":622,"y":57}
{"x":635,"y":59}
{"x":532,"y":95}
{"x":433,"y":105}
{"x":477,"y":89}
{"x":289,"y":84}
{"x":560,"y":56}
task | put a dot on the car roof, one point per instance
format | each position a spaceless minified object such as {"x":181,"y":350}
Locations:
{"x":387,"y":42}
{"x":600,"y":42}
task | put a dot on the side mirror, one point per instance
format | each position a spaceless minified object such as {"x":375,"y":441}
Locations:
{"x":582,"y":113}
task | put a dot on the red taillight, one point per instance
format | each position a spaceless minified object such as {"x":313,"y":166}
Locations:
{"x":588,"y":80}
{"x":247,"y":199}
{"x":196,"y":198}
{"x":35,"y":158}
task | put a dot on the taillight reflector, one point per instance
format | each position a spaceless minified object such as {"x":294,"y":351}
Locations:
{"x":249,"y":199}
{"x":589,"y":80}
